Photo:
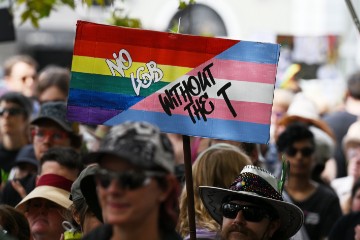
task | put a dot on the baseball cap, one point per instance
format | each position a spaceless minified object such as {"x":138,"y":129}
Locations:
{"x":27,"y":155}
{"x":56,"y":112}
{"x":139,"y":143}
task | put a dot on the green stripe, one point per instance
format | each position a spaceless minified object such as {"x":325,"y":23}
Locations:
{"x":110,"y":84}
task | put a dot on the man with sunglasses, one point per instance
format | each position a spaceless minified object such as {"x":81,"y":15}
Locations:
{"x":136,"y":186}
{"x":319,"y":203}
{"x":252,"y":208}
{"x":15,"y":112}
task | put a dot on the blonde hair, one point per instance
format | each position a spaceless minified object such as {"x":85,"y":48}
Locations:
{"x":216,"y":166}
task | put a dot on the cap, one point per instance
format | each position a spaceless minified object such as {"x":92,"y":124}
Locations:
{"x":27,"y":155}
{"x":140,"y":143}
{"x":15,"y":97}
{"x":56,"y":111}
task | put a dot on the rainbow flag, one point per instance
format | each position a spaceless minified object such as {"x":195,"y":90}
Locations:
{"x":191,"y":85}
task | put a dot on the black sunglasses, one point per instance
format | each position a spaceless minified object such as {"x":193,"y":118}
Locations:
{"x":129,"y":180}
{"x":250,"y":213}
{"x":11,"y":111}
{"x":306,"y":151}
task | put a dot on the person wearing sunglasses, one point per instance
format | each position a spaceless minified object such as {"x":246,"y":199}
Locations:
{"x":15,"y":112}
{"x":136,"y":185}
{"x":319,"y":202}
{"x":252,"y":208}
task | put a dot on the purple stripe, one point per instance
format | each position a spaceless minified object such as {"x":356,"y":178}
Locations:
{"x":90,"y":115}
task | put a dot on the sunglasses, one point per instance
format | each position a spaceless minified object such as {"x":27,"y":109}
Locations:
{"x":11,"y":111}
{"x":306,"y":151}
{"x":130,"y":180}
{"x":54,"y":135}
{"x":250,"y":213}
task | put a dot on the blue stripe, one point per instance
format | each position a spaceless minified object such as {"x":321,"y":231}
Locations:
{"x":212,"y":128}
{"x":252,"y":52}
{"x":111,"y":101}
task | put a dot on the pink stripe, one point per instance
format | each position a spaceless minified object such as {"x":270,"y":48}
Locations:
{"x":246,"y":111}
{"x":240,"y":71}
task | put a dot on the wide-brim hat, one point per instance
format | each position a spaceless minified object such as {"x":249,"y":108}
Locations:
{"x":51,"y":187}
{"x":255,"y":185}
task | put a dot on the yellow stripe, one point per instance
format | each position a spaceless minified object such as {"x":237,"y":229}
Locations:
{"x":98,"y":66}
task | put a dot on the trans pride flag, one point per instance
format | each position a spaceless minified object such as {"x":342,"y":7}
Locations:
{"x":192,"y":85}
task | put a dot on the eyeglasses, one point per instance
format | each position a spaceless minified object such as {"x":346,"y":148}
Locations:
{"x":306,"y":151}
{"x":54,"y":135}
{"x":250,"y":213}
{"x":129,"y":180}
{"x":11,"y":111}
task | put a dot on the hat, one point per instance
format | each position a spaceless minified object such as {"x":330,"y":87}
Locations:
{"x":352,"y":135}
{"x":52,"y":187}
{"x":56,"y":111}
{"x":85,"y":187}
{"x":302,"y":109}
{"x":139,"y":143}
{"x":27,"y":155}
{"x":255,"y":184}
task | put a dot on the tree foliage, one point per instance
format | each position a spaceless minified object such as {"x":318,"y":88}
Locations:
{"x":34,"y":10}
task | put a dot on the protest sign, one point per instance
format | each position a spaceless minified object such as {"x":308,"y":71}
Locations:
{"x":191,"y":85}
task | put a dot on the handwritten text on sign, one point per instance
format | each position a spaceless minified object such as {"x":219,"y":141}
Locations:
{"x":189,"y":94}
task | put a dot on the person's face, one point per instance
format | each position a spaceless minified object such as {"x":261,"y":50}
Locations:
{"x":44,"y":219}
{"x":47,"y":135}
{"x":53,"y":167}
{"x":301,"y":158}
{"x":353,"y":159}
{"x":12,"y":119}
{"x":355,"y":205}
{"x":128,"y":207}
{"x":52,"y":94}
{"x":22,"y":79}
{"x":241,"y":225}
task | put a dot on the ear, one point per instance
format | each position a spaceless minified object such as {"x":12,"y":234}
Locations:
{"x":273,"y":227}
{"x":76,"y":216}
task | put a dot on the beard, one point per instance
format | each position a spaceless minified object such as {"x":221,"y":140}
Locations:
{"x":237,"y":232}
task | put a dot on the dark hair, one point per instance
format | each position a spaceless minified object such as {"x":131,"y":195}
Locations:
{"x":56,"y":76}
{"x":15,"y":97}
{"x":65,"y":156}
{"x":294,"y":132}
{"x":353,"y":85}
{"x":355,"y":187}
{"x":14,"y":222}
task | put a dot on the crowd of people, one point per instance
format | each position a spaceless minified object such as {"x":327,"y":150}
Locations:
{"x":68,"y":180}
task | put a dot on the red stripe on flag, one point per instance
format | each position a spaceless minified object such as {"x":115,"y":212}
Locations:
{"x":98,"y":33}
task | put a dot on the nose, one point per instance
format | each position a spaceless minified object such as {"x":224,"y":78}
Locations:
{"x":239,"y":220}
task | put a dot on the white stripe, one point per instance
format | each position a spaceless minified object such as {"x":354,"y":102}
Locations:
{"x":238,"y":91}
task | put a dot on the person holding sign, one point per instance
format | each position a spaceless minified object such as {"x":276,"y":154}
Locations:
{"x":136,"y":185}
{"x":252,"y":207}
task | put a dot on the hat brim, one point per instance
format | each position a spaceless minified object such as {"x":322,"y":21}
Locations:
{"x":291,"y":216}
{"x":88,"y":190}
{"x":37,"y":120}
{"x":54,"y":194}
{"x":286,"y":120}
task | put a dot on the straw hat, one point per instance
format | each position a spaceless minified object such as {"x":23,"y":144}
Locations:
{"x":255,"y":184}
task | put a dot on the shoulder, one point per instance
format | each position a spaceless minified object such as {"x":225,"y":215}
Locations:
{"x":102,"y":232}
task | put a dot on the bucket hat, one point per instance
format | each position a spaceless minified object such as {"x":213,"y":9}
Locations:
{"x":139,"y":143}
{"x":255,"y":184}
